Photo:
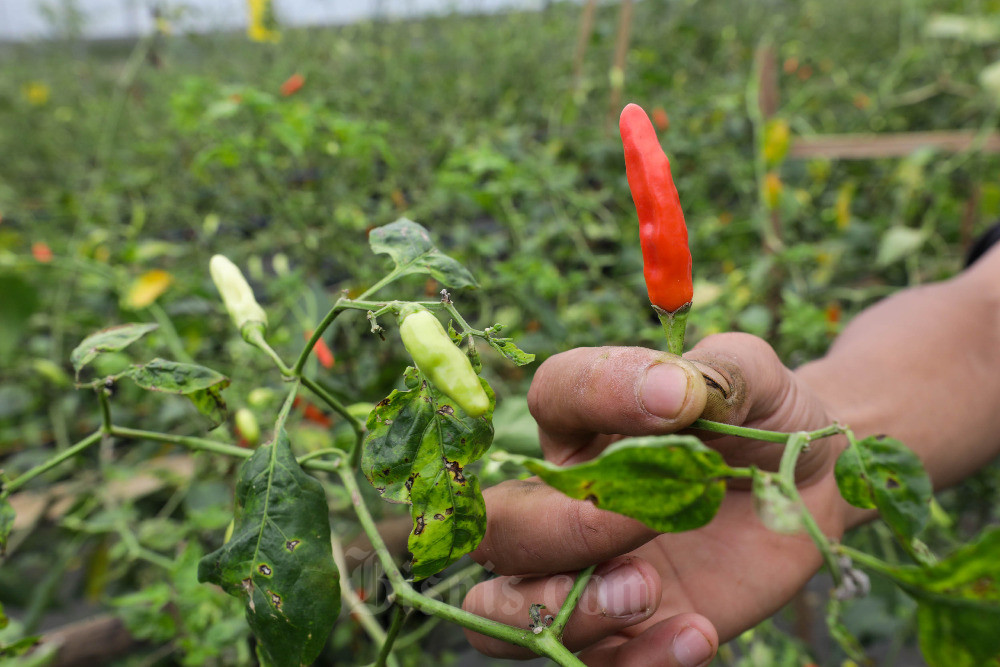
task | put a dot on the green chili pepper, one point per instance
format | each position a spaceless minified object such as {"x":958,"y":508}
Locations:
{"x":237,"y":295}
{"x":441,"y":361}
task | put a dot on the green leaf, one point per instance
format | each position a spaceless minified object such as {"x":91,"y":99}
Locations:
{"x":200,"y":384}
{"x":279,"y":559}
{"x":958,"y":603}
{"x":418,"y":445}
{"x":409,"y":245}
{"x":7,"y":516}
{"x":882,"y":473}
{"x":108,"y":340}
{"x":671,"y":483}
{"x":507,"y":348}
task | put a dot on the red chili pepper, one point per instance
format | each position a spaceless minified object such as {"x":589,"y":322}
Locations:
{"x":666,"y":258}
{"x":322,"y":351}
{"x":292,"y":84}
{"x":311,"y":413}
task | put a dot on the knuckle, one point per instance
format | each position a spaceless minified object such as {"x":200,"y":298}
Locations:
{"x":588,"y":532}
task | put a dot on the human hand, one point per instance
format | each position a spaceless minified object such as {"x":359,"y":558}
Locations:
{"x":656,"y":599}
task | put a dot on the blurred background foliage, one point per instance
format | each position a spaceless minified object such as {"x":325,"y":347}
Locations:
{"x":126,"y":165}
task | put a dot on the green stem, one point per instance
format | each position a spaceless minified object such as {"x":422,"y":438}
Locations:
{"x":566,"y":610}
{"x":419,"y":633}
{"x":760,"y":434}
{"x":323,"y":452}
{"x":256,"y":338}
{"x":42,"y":468}
{"x":551,"y":647}
{"x":338,"y":307}
{"x":102,"y":397}
{"x":341,"y":409}
{"x":674,"y":325}
{"x":279,"y":423}
{"x":453,"y":580}
{"x":392,"y":276}
{"x":405,"y":593}
{"x":866,"y":560}
{"x":317,"y":333}
{"x":385,"y":653}
{"x":797,"y":442}
{"x":189,"y":442}
{"x":358,"y":608}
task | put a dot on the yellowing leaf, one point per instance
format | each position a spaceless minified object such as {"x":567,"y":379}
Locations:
{"x":36,"y":93}
{"x":147,"y":288}
{"x":777,"y":138}
{"x":772,"y":190}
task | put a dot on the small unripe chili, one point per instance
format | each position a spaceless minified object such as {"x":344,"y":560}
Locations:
{"x":237,"y":295}
{"x":441,"y":361}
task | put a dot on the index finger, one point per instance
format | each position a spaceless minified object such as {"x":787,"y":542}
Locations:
{"x":579,"y":395}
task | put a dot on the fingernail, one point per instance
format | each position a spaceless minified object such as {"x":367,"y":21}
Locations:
{"x":623,"y":592}
{"x":664,"y":390}
{"x":691,"y":648}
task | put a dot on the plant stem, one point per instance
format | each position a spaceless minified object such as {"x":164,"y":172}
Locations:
{"x":453,"y":580}
{"x":359,"y":609}
{"x":566,"y":610}
{"x":42,"y":468}
{"x":866,"y":560}
{"x":761,"y":434}
{"x":189,"y":442}
{"x":551,"y":647}
{"x":331,"y":315}
{"x":323,"y":452}
{"x":279,"y":423}
{"x":385,"y":653}
{"x":797,"y":442}
{"x":405,"y":593}
{"x":102,"y":397}
{"x":674,"y":325}
{"x":392,"y":276}
{"x":341,"y":409}
{"x":256,"y":338}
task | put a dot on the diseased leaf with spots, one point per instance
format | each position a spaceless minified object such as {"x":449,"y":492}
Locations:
{"x":201,"y":385}
{"x":958,"y":603}
{"x":279,"y":559}
{"x":107,"y":340}
{"x":671,"y":483}
{"x":418,"y":445}
{"x":882,"y":473}
{"x":449,"y":520}
{"x":410,"y":247}
{"x":7,"y":516}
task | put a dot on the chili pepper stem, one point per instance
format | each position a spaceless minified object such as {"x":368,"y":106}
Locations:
{"x":674,"y":325}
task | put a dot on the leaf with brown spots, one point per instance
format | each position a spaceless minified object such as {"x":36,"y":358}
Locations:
{"x":882,"y":473}
{"x":958,"y":603}
{"x":418,"y":446}
{"x":279,"y":559}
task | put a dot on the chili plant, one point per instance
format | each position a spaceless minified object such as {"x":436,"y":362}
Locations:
{"x":417,"y":445}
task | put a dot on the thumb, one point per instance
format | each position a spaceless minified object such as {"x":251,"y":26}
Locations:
{"x":748,"y":385}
